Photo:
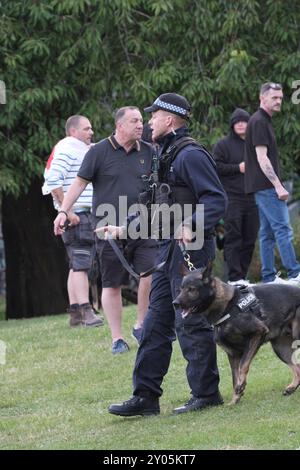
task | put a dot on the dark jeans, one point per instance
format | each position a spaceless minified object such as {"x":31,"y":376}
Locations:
{"x":241,"y":228}
{"x":195,"y":335}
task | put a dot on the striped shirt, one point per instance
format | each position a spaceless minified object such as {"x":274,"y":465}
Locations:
{"x":62,"y":168}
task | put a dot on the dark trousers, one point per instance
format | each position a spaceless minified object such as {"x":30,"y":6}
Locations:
{"x":241,"y":226}
{"x":162,"y":323}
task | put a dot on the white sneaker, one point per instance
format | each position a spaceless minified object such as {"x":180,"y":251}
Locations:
{"x":295,"y":280}
{"x":278,"y":280}
{"x":240,"y":282}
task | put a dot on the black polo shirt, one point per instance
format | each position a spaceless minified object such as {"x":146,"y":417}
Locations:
{"x":259,"y":132}
{"x":114,"y":172}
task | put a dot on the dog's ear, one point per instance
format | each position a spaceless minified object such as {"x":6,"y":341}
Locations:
{"x":199,"y":273}
{"x":207,"y":271}
{"x":184,"y":271}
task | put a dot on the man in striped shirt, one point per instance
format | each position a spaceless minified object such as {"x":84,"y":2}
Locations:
{"x":61,"y":170}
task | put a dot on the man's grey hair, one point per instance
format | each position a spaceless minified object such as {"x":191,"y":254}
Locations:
{"x":119,"y":114}
{"x":73,"y":121}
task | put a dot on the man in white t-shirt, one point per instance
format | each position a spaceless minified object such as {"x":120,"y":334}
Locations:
{"x":61,"y":170}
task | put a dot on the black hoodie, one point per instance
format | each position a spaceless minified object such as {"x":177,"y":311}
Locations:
{"x":229,"y":153}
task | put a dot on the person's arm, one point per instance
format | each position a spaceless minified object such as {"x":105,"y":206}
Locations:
{"x":199,"y":174}
{"x":222,"y":159}
{"x":56,"y":175}
{"x":268,"y":170}
{"x":58,"y":195}
{"x":70,"y":197}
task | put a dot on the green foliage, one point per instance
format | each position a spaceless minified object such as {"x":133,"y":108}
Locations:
{"x":61,"y":57}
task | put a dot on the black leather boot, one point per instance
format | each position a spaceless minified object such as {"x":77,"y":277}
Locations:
{"x":136,"y":406}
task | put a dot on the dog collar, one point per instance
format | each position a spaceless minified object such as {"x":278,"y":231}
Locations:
{"x":222,"y":319}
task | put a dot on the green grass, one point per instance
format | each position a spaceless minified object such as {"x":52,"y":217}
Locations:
{"x":57,"y":383}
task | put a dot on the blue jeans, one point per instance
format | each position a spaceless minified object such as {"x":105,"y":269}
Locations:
{"x":275,"y":229}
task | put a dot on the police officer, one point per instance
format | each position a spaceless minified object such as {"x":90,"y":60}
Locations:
{"x":191,"y":176}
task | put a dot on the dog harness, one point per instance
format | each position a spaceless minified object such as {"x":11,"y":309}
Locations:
{"x":243,"y":301}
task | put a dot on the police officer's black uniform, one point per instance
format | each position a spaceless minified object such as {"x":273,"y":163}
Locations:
{"x":193,"y":170}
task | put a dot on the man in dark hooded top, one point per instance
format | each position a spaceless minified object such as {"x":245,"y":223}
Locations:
{"x":241,"y":220}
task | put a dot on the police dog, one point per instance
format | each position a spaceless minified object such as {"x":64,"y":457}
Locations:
{"x":245,"y":319}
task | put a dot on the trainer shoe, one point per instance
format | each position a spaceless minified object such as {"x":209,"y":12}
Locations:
{"x":240,"y":282}
{"x":279,"y":280}
{"x":137,"y":334}
{"x":136,"y":406}
{"x":295,"y":280}
{"x":119,"y":347}
{"x":198,"y":404}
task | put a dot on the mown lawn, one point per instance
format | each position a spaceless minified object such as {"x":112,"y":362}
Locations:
{"x":57,"y":383}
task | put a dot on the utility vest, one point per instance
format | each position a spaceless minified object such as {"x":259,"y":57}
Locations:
{"x":167,"y":191}
{"x":162,"y":191}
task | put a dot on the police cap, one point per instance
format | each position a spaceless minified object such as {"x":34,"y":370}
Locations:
{"x":175,"y":104}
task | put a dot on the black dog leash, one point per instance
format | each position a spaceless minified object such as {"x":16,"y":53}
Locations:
{"x":129,"y":268}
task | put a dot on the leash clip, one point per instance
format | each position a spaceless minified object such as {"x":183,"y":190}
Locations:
{"x":187,"y":257}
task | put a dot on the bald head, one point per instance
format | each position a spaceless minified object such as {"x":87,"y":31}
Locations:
{"x":79,"y":127}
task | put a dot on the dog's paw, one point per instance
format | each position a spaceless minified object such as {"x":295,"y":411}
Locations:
{"x":232,"y":402}
{"x":235,"y":399}
{"x":288,"y":391}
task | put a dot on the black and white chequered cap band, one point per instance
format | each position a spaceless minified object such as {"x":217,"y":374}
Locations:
{"x":170,"y":107}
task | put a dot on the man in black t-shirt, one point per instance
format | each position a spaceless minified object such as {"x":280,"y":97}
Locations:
{"x":116,"y":167}
{"x":262,"y":177}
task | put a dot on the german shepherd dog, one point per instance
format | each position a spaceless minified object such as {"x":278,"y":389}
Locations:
{"x":244,"y":319}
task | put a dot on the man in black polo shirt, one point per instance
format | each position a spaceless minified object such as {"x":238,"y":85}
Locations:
{"x":115,"y":166}
{"x":262,"y":177}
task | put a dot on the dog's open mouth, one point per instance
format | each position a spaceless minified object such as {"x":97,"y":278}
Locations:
{"x":188,"y":311}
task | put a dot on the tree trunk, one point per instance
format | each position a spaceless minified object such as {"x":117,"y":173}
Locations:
{"x":36,"y":264}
